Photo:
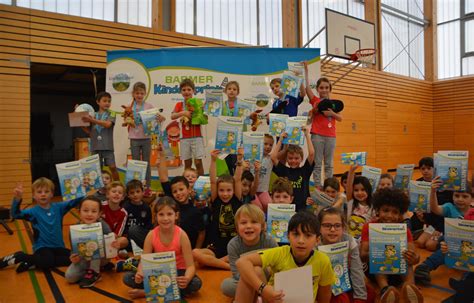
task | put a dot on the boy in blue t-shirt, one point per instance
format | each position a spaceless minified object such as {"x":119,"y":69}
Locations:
{"x":47,"y":221}
{"x":287,"y":105}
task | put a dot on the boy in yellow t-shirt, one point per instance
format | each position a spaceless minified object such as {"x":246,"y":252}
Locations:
{"x":303,"y":232}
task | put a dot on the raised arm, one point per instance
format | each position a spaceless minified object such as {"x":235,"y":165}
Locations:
{"x":15,"y":210}
{"x":350,"y":181}
{"x":213,"y":174}
{"x":434,"y":206}
{"x":163,"y":166}
{"x":276,"y":149}
{"x":256,"y":181}
{"x":310,"y":144}
{"x":238,"y":174}
{"x":309,"y":91}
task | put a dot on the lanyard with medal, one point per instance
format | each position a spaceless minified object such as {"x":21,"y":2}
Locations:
{"x":329,"y":118}
{"x":136,"y":116}
{"x":101,"y":117}
{"x":186,"y":124}
{"x":234,"y":111}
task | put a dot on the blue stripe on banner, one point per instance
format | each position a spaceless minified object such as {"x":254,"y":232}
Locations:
{"x":246,"y":61}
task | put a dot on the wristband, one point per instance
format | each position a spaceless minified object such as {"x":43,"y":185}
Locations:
{"x":260,"y":289}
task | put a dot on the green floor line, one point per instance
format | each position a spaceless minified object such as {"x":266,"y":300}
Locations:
{"x":31,"y":273}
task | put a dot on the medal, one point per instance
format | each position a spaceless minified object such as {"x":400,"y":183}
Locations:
{"x":99,"y":137}
{"x":330,"y":125}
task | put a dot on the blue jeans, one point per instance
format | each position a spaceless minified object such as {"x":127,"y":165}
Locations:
{"x":193,"y":286}
{"x":141,"y":150}
{"x":436,"y":259}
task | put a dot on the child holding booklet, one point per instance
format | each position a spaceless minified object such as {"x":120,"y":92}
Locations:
{"x":226,"y":196}
{"x":250,"y":184}
{"x":333,"y":231}
{"x":299,"y":176}
{"x":285,"y":104}
{"x":167,"y":236}
{"x":303,"y":233}
{"x":323,"y":128}
{"x":389,"y":205}
{"x":359,"y":205}
{"x":265,"y":172}
{"x":101,"y":132}
{"x":250,"y":222}
{"x":331,"y":188}
{"x":190,"y":217}
{"x":85,"y":272}
{"x":102,"y":192}
{"x":192,"y":144}
{"x":140,"y":144}
{"x":47,"y":221}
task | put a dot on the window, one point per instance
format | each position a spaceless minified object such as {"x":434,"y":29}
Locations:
{"x":136,"y":12}
{"x":403,"y":50}
{"x":314,"y":18}
{"x":244,"y":21}
{"x":455,"y":43}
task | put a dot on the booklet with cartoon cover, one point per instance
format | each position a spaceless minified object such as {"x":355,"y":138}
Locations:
{"x":136,"y":170}
{"x":91,"y":173}
{"x":245,"y":108}
{"x":87,"y":240}
{"x":459,"y":235}
{"x":278,"y":216}
{"x":214,"y":99}
{"x":294,"y":130}
{"x":297,"y":68}
{"x":420,"y":193}
{"x":321,"y":200}
{"x":387,"y":241}
{"x":150,"y":125}
{"x":159,"y":277}
{"x":354,"y":158}
{"x":452,"y":167}
{"x":290,"y":83}
{"x":202,"y":189}
{"x":70,"y":180}
{"x":228,"y":134}
{"x":277,"y":124}
{"x":253,"y":146}
{"x":403,"y":176}
{"x":373,"y":174}
{"x":338,"y":253}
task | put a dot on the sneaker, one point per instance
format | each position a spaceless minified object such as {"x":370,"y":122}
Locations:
{"x":422,"y":274}
{"x":108,"y":267}
{"x":389,"y":294}
{"x":10,"y":259}
{"x":411,"y":294}
{"x":130,"y":264}
{"x":24,"y":266}
{"x":454,"y":284}
{"x":89,"y":279}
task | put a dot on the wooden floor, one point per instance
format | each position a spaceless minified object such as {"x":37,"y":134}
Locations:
{"x":36,"y":286}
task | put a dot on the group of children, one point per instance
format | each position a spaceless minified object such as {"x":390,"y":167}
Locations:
{"x":230,"y":232}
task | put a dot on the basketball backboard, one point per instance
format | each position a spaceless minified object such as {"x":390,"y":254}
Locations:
{"x":346,"y":34}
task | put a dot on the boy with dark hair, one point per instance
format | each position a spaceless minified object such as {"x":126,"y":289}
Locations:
{"x":285,"y":104}
{"x":101,"y":132}
{"x":390,"y":204}
{"x":299,"y":176}
{"x":190,"y":218}
{"x":303,"y":233}
{"x":192,"y":144}
{"x":139,"y":221}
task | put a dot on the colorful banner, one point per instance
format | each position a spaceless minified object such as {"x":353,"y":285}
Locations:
{"x":210,"y":68}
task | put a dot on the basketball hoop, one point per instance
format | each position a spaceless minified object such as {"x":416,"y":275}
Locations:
{"x":364,"y":56}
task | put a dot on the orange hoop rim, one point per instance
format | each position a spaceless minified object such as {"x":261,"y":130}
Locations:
{"x":363,"y":53}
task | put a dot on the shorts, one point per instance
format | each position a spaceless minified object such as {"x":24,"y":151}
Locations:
{"x":192,"y":148}
{"x":107,"y":157}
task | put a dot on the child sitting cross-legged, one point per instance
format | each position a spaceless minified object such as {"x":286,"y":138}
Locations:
{"x":167,"y":236}
{"x":303,"y":233}
{"x":390,"y":205}
{"x":87,"y":272}
{"x":252,"y":236}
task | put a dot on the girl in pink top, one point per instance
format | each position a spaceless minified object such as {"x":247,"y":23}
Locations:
{"x":167,"y":237}
{"x":323,"y":129}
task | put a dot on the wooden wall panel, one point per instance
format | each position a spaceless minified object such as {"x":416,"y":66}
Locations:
{"x":453,"y":110}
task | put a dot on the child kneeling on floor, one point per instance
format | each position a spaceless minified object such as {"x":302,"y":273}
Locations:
{"x":167,"y":236}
